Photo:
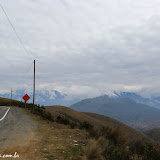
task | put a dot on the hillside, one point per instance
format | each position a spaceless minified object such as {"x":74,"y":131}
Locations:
{"x":136,"y":115}
{"x":153,"y":133}
{"x":97,"y":121}
{"x":7,"y":102}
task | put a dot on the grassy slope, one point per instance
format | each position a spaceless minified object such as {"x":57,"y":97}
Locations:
{"x":131,"y":133}
{"x":153,"y":133}
{"x":98,"y":121}
{"x":57,"y":141}
{"x":5,"y":101}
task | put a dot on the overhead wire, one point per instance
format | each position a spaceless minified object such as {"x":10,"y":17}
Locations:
{"x":27,"y":75}
{"x":28,"y":70}
{"x":18,"y":37}
{"x":14,"y":30}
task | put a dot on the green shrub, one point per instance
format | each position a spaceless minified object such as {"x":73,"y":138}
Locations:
{"x":106,"y":132}
{"x":85,"y":125}
{"x":116,"y":152}
{"x":48,"y":116}
{"x":62,"y":120}
{"x":73,"y":125}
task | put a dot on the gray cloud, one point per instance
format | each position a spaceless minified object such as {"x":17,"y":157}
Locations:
{"x":82,"y":47}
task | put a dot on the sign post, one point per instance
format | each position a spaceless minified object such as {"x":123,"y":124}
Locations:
{"x":34,"y":86}
{"x":26,"y":98}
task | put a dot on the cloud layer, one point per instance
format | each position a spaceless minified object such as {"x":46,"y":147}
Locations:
{"x":83,"y":48}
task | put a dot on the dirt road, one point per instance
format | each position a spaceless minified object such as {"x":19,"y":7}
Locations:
{"x":17,"y":133}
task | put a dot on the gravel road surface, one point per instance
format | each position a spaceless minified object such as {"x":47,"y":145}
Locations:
{"x":16,"y":129}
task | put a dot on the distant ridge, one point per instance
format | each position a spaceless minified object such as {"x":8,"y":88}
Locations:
{"x":43,"y":97}
{"x":55,"y":97}
{"x":154,"y":101}
{"x":136,"y":115}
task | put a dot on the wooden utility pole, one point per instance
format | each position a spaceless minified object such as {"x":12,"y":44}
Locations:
{"x":11,"y":93}
{"x":34,"y":88}
{"x":11,"y":97}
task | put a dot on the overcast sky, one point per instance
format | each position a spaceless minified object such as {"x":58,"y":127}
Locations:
{"x":82,"y":48}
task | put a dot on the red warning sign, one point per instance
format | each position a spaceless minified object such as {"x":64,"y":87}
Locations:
{"x":26,"y":97}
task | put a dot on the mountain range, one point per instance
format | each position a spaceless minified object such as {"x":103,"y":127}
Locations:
{"x":54,"y":97}
{"x":153,"y":101}
{"x":128,"y":107}
{"x":44,"y":97}
{"x":136,"y":115}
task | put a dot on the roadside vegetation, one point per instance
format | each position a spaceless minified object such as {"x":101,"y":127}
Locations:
{"x":105,"y":143}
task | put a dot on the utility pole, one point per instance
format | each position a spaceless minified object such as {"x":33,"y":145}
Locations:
{"x":34,"y":88}
{"x":11,"y":97}
{"x":11,"y":93}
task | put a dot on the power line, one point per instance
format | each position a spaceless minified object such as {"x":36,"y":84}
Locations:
{"x":14,"y":29}
{"x":17,"y":37}
{"x":26,"y":76}
{"x":29,"y":68}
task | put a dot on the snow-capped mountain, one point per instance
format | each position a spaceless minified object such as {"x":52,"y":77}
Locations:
{"x":54,"y":97}
{"x":44,"y":97}
{"x":153,"y":102}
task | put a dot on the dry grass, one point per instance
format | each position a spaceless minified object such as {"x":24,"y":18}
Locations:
{"x":8,"y":100}
{"x":58,"y":141}
{"x":98,"y":121}
{"x":93,"y":151}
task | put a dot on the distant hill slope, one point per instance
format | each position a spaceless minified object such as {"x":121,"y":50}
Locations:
{"x":153,"y":133}
{"x":98,"y":121}
{"x":136,"y":115}
{"x":12,"y":102}
{"x":7,"y":102}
